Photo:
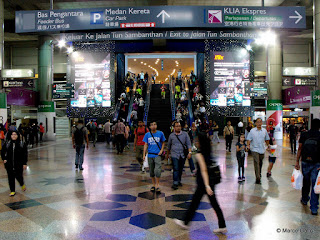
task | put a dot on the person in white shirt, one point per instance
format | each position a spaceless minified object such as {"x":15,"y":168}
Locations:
{"x":107,"y":131}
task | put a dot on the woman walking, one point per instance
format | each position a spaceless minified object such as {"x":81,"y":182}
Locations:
{"x":15,"y":156}
{"x":203,"y":158}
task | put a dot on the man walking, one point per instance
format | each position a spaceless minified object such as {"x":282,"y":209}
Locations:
{"x":138,"y":146}
{"x":179,"y":145}
{"x":154,"y":146}
{"x":79,"y":138}
{"x":309,"y":150}
{"x":119,"y":131}
{"x":293,"y":131}
{"x":255,"y":142}
{"x":228,"y":133}
{"x":93,"y":132}
{"x":107,"y":131}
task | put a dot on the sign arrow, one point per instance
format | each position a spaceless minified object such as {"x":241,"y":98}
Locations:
{"x":164,"y":13}
{"x":286,"y":81}
{"x":30,"y":83}
{"x":30,"y":72}
{"x":286,"y":71}
{"x":298,"y":17}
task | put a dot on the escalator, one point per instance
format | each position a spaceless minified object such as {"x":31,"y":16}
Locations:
{"x":160,"y":110}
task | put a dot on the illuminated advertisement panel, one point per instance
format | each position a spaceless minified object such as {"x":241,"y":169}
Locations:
{"x":229,"y":74}
{"x":90,"y":73}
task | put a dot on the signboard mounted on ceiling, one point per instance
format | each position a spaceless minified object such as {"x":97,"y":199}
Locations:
{"x":160,"y":17}
{"x":17,"y":73}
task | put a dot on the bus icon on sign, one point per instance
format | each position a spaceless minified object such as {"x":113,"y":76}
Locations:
{"x":96,"y":17}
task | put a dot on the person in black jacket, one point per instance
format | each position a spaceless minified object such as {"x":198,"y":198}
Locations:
{"x":15,"y":156}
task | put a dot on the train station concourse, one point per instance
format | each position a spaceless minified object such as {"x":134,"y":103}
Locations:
{"x":159,"y":119}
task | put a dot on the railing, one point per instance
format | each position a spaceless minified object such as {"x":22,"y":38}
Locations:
{"x":116,"y":112}
{"x":190,"y":110}
{"x":172,"y":99}
{"x":129,"y":120}
{"x":147,"y":103}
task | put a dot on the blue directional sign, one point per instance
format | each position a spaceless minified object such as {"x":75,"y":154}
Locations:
{"x":160,"y":17}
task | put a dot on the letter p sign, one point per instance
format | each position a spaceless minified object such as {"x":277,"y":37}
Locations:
{"x":96,"y":18}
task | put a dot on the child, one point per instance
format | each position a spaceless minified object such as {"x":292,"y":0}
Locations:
{"x":272,"y":157}
{"x":241,"y":149}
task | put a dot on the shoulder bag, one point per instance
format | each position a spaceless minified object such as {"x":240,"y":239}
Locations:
{"x":163,"y":153}
{"x":185,"y":148}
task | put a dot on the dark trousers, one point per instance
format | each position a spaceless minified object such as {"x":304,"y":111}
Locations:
{"x":12,"y":175}
{"x":293,"y":144}
{"x":36,"y":137}
{"x":178,"y":165}
{"x":41,"y":136}
{"x":240,"y":166}
{"x":197,"y":196}
{"x":108,"y":137}
{"x":228,"y":142}
{"x":120,"y":142}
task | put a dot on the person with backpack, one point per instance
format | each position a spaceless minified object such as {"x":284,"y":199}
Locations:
{"x":308,"y":152}
{"x":179,"y":145}
{"x":79,"y":138}
{"x":14,"y":154}
{"x":138,"y":146}
{"x":204,"y":185}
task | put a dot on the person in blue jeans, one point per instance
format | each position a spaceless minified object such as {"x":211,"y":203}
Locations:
{"x":79,"y":138}
{"x":309,"y":153}
{"x":154,"y":146}
{"x":179,"y":145}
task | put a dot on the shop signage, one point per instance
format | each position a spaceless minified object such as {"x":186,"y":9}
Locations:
{"x":299,"y":71}
{"x":259,"y":90}
{"x":299,"y":81}
{"x":18,"y":83}
{"x":158,"y":34}
{"x":60,"y":91}
{"x":274,"y":105}
{"x":315,"y":98}
{"x":17,"y":73}
{"x":296,"y":95}
{"x":160,"y":17}
{"x":46,"y":106}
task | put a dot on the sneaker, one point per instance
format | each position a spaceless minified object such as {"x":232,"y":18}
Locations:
{"x":269,"y":174}
{"x":23,"y":188}
{"x":258,"y":181}
{"x":180,"y":184}
{"x":81,"y":168}
{"x":12,"y":194}
{"x":243,"y":179}
{"x":158,"y":190}
{"x":181,"y":224}
{"x":174,"y":186}
{"x":314,"y":213}
{"x":220,"y":230}
{"x":77,"y":166}
{"x":239,"y":179}
{"x":153,"y":189}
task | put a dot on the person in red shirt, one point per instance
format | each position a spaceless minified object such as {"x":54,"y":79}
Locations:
{"x":139,"y":133}
{"x":41,"y":127}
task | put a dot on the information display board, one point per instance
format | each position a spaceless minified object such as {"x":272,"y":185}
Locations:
{"x":90,"y":74}
{"x":60,"y":91}
{"x":256,"y":89}
{"x":229,"y":74}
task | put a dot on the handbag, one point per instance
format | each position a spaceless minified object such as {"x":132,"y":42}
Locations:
{"x":185,"y":149}
{"x":163,"y":153}
{"x":214,"y":173}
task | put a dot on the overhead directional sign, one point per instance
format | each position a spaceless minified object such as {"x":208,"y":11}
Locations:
{"x":160,"y":17}
{"x":299,"y":71}
{"x":60,"y":91}
{"x":26,"y":83}
{"x":299,"y":81}
{"x":17,"y":73}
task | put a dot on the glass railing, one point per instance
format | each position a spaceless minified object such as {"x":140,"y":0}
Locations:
{"x":172,"y":99}
{"x":147,"y":103}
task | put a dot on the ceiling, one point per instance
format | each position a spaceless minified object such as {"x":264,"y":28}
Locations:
{"x":136,"y":65}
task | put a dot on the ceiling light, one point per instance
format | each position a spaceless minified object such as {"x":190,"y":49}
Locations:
{"x":61,"y":43}
{"x":141,"y":62}
{"x":69,"y":50}
{"x":248,"y":47}
{"x":145,"y":64}
{"x":134,"y":59}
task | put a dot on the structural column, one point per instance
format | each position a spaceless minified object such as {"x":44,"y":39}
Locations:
{"x":274,"y":78}
{"x":1,"y":34}
{"x":46,"y":110}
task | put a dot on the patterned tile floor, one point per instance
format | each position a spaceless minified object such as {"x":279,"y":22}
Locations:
{"x":110,"y":199}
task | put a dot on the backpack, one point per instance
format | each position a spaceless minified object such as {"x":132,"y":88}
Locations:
{"x":310,"y":149}
{"x":79,"y":136}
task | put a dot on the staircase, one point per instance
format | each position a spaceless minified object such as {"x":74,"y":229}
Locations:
{"x":160,"y":110}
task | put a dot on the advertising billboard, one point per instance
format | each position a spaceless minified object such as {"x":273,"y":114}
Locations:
{"x":90,"y":74}
{"x":229,"y":78}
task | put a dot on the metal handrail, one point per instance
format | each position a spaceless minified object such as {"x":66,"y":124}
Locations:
{"x":172,"y":99}
{"x":147,"y":103}
{"x":129,"y":120}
